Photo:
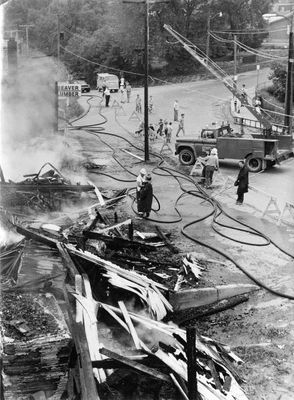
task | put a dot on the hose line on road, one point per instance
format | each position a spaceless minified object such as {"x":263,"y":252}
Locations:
{"x":217,"y":210}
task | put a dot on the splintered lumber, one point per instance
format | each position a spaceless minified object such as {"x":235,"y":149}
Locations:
{"x":184,"y":299}
{"x":90,"y":323}
{"x":88,"y":385}
{"x":168,"y":243}
{"x":118,"y":242}
{"x":178,"y":386}
{"x":137,"y":366}
{"x":28,"y":233}
{"x":105,"y":230}
{"x":71,"y":268}
{"x":221,"y":373}
{"x":35,"y":357}
{"x":210,"y":309}
{"x":130,"y":325}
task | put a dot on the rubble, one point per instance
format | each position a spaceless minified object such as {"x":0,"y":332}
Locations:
{"x":36,"y":345}
{"x":108,"y":261}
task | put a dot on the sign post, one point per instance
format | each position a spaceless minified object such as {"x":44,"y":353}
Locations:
{"x":65,"y":90}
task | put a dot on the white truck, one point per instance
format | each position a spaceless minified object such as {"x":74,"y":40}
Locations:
{"x":109,"y":80}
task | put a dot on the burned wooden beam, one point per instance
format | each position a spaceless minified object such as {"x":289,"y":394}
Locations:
{"x":50,"y":187}
{"x":70,"y":266}
{"x":210,"y":309}
{"x":29,"y":234}
{"x":168,"y":243}
{"x":154,"y":373}
{"x":118,"y":242}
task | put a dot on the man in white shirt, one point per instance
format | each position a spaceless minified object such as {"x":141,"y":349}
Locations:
{"x":176,"y":110}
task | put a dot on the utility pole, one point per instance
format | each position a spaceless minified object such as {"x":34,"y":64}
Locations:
{"x":146,"y":69}
{"x":27,"y":36}
{"x":208,"y":35}
{"x":235,"y":60}
{"x":146,"y":108}
{"x":58,"y":43}
{"x":288,"y":121}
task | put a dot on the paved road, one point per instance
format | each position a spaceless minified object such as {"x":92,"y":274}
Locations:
{"x":206,"y":101}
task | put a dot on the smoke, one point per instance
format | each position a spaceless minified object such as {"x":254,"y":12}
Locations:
{"x":28,"y":115}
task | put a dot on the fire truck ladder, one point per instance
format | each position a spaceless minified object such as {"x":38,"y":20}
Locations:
{"x":220,"y":74}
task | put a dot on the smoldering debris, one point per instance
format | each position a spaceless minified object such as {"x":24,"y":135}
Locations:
{"x":119,"y":284}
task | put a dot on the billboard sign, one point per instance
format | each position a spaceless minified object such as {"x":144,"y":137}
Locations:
{"x":66,"y":89}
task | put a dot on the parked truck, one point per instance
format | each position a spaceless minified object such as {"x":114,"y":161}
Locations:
{"x":258,"y":153}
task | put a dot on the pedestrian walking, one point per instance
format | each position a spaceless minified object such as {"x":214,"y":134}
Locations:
{"x":129,"y":90}
{"x":138,"y":104}
{"x":242,"y":182}
{"x":167,"y":136}
{"x":122,"y":95}
{"x":103,"y":88}
{"x":176,"y":111}
{"x":244,"y":93}
{"x":211,"y":165}
{"x":181,"y":126}
{"x":107,"y":96}
{"x":150,"y":104}
{"x":139,"y":184}
{"x":146,"y":196}
{"x":160,"y":127}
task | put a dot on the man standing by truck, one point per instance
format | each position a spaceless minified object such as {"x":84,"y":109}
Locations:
{"x":242,"y":182}
{"x":211,"y":165}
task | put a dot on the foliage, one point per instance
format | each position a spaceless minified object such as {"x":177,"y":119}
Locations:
{"x":278,"y":77}
{"x":111,"y":33}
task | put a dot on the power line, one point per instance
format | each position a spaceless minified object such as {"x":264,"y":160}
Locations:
{"x":100,"y":65}
{"x":253,"y":32}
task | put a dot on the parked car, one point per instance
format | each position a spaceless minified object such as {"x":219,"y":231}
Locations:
{"x":84,"y":86}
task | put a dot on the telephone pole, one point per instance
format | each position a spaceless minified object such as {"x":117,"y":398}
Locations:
{"x":146,"y":108}
{"x":58,"y":42}
{"x":235,"y":60}
{"x":289,"y":83}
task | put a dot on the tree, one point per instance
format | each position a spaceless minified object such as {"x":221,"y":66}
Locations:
{"x":278,"y":77}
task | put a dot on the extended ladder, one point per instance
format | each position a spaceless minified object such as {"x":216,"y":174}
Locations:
{"x":220,"y":74}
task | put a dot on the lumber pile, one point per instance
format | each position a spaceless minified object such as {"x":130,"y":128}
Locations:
{"x":148,"y":291}
{"x":165,"y":347}
{"x":36,"y":345}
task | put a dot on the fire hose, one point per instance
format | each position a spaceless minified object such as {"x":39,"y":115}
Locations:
{"x":217,"y":210}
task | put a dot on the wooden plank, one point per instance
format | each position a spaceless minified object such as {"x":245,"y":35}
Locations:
{"x":178,"y":386}
{"x":79,"y":290}
{"x":168,"y":243}
{"x":126,"y":222}
{"x":90,"y":323}
{"x":137,"y":366}
{"x":214,"y":374}
{"x":36,"y":236}
{"x":134,"y":277}
{"x":89,"y":385}
{"x":71,"y":268}
{"x":118,"y":242}
{"x":87,"y":382}
{"x":128,"y":320}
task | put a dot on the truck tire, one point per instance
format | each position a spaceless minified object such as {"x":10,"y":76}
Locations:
{"x":186,"y":157}
{"x":254,"y":164}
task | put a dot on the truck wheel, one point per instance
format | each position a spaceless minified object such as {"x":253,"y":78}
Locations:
{"x":254,"y":164}
{"x":186,"y":157}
